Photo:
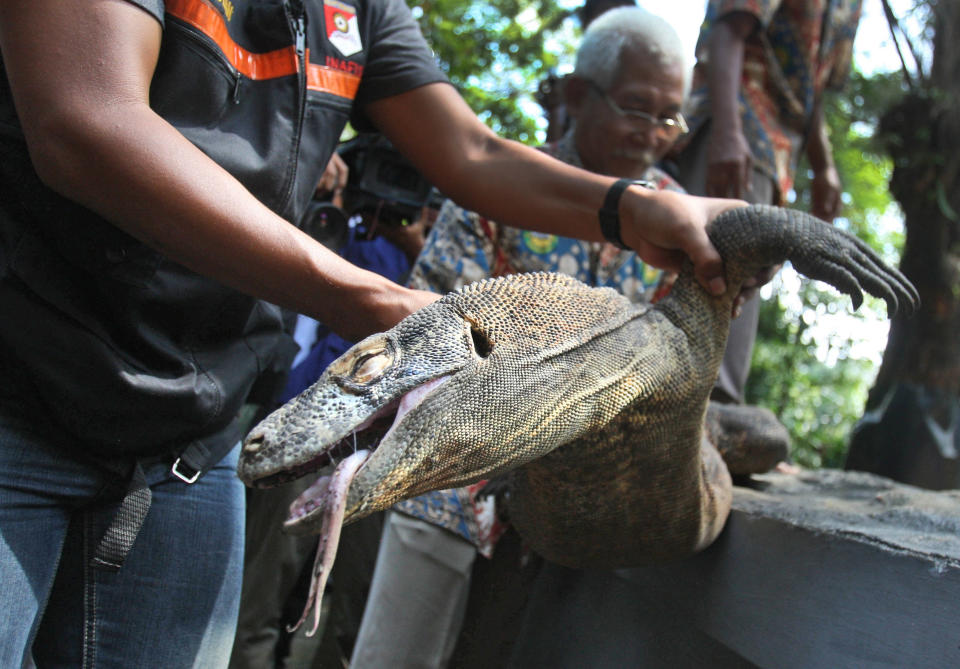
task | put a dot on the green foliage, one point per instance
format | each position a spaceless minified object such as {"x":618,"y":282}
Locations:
{"x":816,"y":381}
{"x":496,"y":52}
{"x":818,"y":401}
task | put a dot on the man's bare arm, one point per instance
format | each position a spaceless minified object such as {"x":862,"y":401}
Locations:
{"x":729,"y":161}
{"x":825,"y":188}
{"x":523,"y":187}
{"x":93,"y":138}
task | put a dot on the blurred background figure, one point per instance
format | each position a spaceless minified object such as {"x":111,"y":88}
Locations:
{"x":755,"y":109}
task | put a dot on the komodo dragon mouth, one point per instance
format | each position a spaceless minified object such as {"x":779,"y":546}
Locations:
{"x":352,"y":453}
{"x":325,"y":501}
{"x":323,"y":507}
{"x":364,"y":438}
{"x":367,"y":417}
{"x":593,"y":405}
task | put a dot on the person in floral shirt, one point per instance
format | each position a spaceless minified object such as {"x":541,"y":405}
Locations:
{"x":464,"y":247}
{"x":756,"y":106}
{"x":626,"y":117}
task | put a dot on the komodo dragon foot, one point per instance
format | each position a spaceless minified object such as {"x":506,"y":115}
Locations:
{"x":750,"y":438}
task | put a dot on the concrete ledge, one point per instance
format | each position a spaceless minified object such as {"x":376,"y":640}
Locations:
{"x":820,"y":569}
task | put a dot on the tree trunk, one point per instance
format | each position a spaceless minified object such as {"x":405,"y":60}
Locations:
{"x":910,"y":430}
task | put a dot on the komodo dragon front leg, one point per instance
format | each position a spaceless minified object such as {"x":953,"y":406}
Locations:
{"x":594,"y":405}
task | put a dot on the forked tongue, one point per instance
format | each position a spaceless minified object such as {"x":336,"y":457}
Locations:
{"x":335,"y":503}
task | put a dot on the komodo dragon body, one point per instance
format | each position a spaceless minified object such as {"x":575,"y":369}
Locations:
{"x":592,"y":406}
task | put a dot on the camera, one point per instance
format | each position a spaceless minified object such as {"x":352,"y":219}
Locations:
{"x":383,"y":187}
{"x":382,"y":181}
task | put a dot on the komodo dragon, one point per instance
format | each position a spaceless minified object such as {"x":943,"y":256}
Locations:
{"x":595,"y":406}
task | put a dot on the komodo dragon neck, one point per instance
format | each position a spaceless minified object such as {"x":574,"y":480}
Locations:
{"x":653,"y":450}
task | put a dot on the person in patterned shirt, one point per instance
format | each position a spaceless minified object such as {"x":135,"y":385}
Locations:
{"x":464,"y":247}
{"x":626,"y":117}
{"x":756,"y":105}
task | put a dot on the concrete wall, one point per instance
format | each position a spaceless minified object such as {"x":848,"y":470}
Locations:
{"x":822,"y":569}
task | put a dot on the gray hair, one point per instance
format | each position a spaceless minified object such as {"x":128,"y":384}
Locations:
{"x":600,"y":52}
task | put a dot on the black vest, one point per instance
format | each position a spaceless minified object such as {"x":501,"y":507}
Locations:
{"x":129,"y":352}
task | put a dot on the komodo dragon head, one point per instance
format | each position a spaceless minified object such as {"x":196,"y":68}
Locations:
{"x":467,"y":387}
{"x":594,"y":405}
{"x":463,"y":389}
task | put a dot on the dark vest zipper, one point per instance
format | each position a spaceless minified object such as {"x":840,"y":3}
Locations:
{"x":299,"y":29}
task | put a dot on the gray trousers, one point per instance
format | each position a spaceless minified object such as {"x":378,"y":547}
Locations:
{"x":735,"y":368}
{"x":417,"y":598}
{"x":273,"y":561}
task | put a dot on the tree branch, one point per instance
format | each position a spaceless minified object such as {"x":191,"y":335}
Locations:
{"x":894,"y":25}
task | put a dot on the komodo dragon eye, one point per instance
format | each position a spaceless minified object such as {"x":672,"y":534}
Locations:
{"x":371,"y":366}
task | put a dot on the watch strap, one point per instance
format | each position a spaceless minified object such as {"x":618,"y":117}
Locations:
{"x":609,"y":213}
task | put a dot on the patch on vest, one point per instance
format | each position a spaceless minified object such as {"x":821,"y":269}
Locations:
{"x":343,"y":30}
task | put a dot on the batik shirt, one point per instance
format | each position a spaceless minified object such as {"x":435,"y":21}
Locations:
{"x":802,"y":48}
{"x":464,"y":247}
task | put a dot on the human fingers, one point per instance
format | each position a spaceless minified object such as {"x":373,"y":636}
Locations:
{"x":829,"y":208}
{"x":737,"y":308}
{"x":334,"y":176}
{"x":826,"y":191}
{"x":708,"y":267}
{"x":421,"y":298}
{"x":403,"y":302}
{"x":751,"y":286}
{"x":667,"y":229}
{"x":762,"y":277}
{"x":707,"y":264}
{"x":728,"y":179}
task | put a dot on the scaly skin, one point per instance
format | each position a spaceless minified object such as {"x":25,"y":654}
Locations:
{"x":593,"y":405}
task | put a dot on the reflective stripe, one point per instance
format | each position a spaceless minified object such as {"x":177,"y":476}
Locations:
{"x":329,"y":80}
{"x":269,"y":65}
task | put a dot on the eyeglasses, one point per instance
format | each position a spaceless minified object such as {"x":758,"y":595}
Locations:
{"x":668,"y":129}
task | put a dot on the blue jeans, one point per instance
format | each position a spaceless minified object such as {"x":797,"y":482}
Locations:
{"x":173,"y":603}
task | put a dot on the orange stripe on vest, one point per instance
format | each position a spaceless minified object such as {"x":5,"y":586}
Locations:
{"x":330,"y":80}
{"x":269,"y":65}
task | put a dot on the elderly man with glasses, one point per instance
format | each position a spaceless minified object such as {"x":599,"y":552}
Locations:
{"x":625,"y":97}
